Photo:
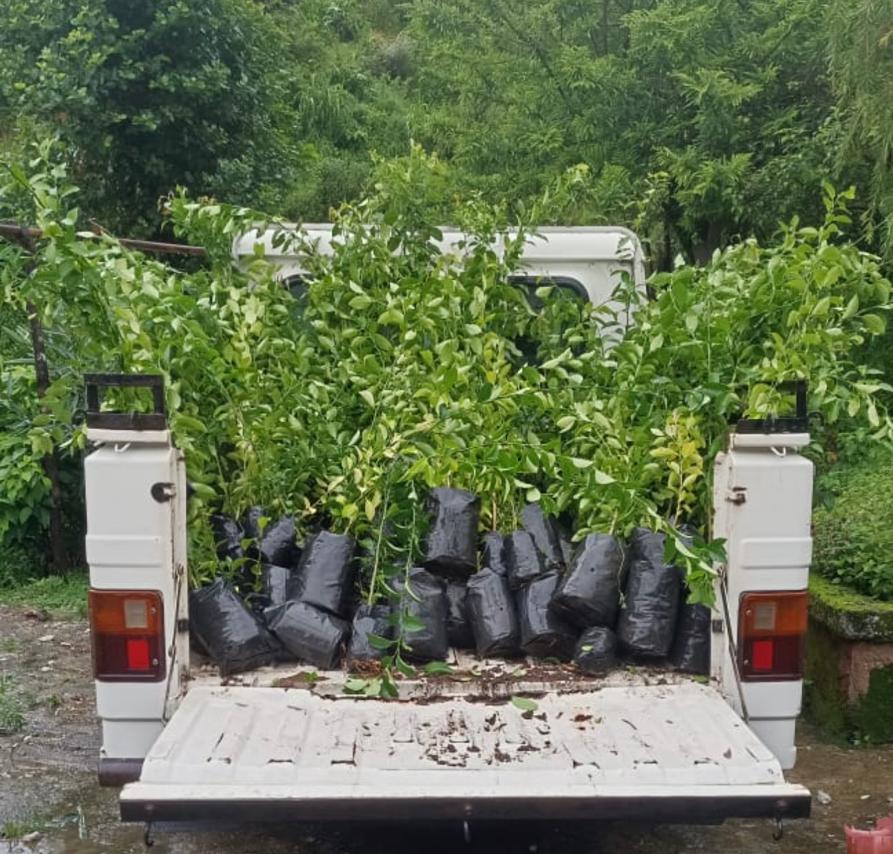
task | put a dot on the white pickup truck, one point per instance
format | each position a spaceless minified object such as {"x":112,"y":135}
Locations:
{"x":273,"y":745}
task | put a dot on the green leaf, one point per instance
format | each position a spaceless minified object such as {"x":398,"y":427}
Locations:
{"x":851,"y":307}
{"x":391,"y":317}
{"x":437,"y":667}
{"x":361,"y":303}
{"x":821,"y":308}
{"x":202,"y":490}
{"x":412,"y":624}
{"x":874,"y":324}
{"x":525,"y":704}
{"x":378,"y":642}
{"x":603,"y":478}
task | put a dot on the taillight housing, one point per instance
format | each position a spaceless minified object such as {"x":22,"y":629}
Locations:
{"x":127,"y":627}
{"x":771,"y":635}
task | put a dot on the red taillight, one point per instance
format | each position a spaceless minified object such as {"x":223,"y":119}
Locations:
{"x":771,"y":634}
{"x":128,"y":635}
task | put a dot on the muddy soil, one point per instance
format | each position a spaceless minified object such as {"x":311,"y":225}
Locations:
{"x":49,"y":800}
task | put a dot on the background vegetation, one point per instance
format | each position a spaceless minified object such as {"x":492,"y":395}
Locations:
{"x":701,"y":121}
{"x":699,"y":124}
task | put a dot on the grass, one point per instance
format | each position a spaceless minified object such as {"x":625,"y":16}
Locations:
{"x":12,"y":717}
{"x":18,"y":829}
{"x":61,"y":595}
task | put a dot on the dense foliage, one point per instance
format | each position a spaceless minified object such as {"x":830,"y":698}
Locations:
{"x":700,"y":122}
{"x":853,"y":539}
{"x":401,"y":369}
{"x":703,"y":125}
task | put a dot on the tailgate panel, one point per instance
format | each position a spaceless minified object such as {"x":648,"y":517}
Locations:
{"x":671,"y":752}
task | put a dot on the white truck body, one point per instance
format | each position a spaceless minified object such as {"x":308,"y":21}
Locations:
{"x":275,"y":744}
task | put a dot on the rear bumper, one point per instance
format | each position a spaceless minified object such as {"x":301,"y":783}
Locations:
{"x":177,"y":804}
{"x":118,"y":772}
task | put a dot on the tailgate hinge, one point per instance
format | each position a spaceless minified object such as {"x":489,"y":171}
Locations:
{"x":738,"y":495}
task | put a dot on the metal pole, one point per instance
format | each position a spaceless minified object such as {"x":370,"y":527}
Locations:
{"x":24,"y":234}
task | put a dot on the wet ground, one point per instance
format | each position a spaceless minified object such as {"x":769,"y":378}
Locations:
{"x":49,"y":800}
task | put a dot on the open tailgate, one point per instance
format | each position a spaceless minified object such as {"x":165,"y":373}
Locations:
{"x":661,"y":752}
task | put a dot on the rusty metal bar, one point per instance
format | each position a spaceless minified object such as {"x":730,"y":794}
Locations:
{"x":23,"y":234}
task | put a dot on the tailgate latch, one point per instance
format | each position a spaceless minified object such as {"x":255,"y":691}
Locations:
{"x":163,"y":492}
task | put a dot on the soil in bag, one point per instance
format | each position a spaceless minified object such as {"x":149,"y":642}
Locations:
{"x":451,"y":544}
{"x":228,"y":536}
{"x":589,"y":593}
{"x":647,"y":622}
{"x":233,"y":637}
{"x":308,"y":633}
{"x":369,"y":620}
{"x":278,"y":544}
{"x":325,"y":572}
{"x":543,"y":633}
{"x":491,"y":613}
{"x":426,"y":609}
{"x":523,"y":559}
{"x":596,"y":650}
{"x":492,"y":553}
{"x":458,"y":628}
{"x":545,"y":535}
{"x":691,"y":648}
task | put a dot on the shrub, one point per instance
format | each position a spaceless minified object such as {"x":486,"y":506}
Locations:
{"x":853,"y":534}
{"x":401,"y":369}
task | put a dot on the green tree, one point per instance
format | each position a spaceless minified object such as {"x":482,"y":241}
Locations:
{"x":700,"y":121}
{"x":861,"y":40}
{"x":149,"y":94}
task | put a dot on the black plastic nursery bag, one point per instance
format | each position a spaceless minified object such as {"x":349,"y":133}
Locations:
{"x":228,"y":536}
{"x":491,"y":613}
{"x":523,"y":559}
{"x":691,"y":648}
{"x":451,"y":545}
{"x":545,"y":534}
{"x":458,"y":628}
{"x":492,"y":555}
{"x":428,"y":605}
{"x":369,"y":620}
{"x":325,"y":572}
{"x":543,"y":633}
{"x":596,"y":650}
{"x":589,"y":593}
{"x":278,"y":544}
{"x":647,"y":622}
{"x":232,"y":636}
{"x":308,"y":633}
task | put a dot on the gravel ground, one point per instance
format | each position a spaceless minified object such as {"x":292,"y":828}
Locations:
{"x":49,"y":800}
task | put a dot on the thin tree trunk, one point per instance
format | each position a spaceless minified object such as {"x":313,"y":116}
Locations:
{"x":58,"y":557}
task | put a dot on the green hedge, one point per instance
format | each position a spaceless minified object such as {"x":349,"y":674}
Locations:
{"x":853,"y":526}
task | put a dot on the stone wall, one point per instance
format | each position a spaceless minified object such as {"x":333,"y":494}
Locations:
{"x":849,"y":663}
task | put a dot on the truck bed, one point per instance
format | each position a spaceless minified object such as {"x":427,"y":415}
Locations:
{"x":470,"y":677}
{"x":276,"y":745}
